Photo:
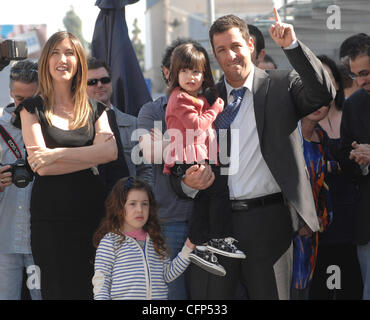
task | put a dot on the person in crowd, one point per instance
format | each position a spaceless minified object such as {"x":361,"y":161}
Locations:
{"x":349,"y":85}
{"x":15,"y":246}
{"x":66,"y":137}
{"x":270,"y":190}
{"x":173,"y":211}
{"x":259,"y":56}
{"x":268,"y":63}
{"x":131,"y":259}
{"x":188,"y":113}
{"x":336,"y":245}
{"x":99,"y":88}
{"x":355,"y":135}
{"x":259,"y":51}
{"x":305,"y":243}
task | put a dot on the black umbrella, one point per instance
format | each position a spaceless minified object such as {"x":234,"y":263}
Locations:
{"x":111,"y":43}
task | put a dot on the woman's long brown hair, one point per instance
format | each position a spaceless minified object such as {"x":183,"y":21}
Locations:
{"x":114,"y":214}
{"x":82,"y":107}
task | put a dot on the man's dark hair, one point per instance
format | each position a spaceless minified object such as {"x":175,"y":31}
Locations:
{"x":356,"y":45}
{"x":166,"y":59}
{"x":24,"y":71}
{"x":227,"y":22}
{"x":93,"y":63}
{"x":260,"y":40}
{"x":339,"y":97}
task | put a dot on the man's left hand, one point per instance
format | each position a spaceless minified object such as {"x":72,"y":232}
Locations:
{"x":282,"y":33}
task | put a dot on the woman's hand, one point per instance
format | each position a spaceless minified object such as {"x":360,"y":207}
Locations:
{"x":103,"y":137}
{"x":41,"y":157}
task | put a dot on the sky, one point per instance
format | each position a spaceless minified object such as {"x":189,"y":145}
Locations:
{"x":52,"y":12}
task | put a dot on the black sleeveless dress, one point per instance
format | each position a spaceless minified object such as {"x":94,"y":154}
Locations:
{"x":65,"y":212}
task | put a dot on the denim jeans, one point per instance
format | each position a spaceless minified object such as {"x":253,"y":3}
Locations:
{"x":176,"y":234}
{"x":11,"y":276}
{"x":363,"y":252}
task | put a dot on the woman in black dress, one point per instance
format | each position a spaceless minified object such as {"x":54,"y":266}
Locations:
{"x":65,"y":136}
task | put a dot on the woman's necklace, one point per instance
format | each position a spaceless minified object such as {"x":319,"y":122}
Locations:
{"x":68,"y":114}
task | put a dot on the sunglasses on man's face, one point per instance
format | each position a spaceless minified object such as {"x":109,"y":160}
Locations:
{"x":93,"y":82}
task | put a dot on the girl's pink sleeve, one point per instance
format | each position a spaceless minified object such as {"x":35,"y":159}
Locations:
{"x":187,"y":112}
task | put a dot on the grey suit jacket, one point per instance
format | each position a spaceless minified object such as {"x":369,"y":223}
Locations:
{"x":127,"y":124}
{"x":281,"y":98}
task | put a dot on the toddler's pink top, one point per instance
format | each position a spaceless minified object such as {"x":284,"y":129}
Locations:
{"x":192,"y":116}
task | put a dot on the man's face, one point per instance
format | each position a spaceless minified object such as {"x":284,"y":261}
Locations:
{"x":233,"y":54}
{"x":360,"y":66}
{"x":21,"y":91}
{"x":100,"y":92}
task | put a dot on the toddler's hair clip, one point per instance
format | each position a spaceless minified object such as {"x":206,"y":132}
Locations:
{"x":128,"y":183}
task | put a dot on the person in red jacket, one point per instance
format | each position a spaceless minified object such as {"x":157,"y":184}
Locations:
{"x":189,"y":119}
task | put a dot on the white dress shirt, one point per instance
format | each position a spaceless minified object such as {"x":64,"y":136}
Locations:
{"x":249,"y":176}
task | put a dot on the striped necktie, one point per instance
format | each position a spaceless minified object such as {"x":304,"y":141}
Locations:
{"x":227,"y":116}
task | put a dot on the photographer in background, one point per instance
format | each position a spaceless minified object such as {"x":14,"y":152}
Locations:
{"x":15,"y":249}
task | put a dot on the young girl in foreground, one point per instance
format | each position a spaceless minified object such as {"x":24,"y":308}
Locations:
{"x":189,"y":114}
{"x":131,"y":260}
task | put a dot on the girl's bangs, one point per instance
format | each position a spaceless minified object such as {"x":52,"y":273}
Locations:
{"x":193,"y":61}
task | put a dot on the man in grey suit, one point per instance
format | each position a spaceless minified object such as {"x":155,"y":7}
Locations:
{"x":99,"y":87}
{"x":269,"y":186}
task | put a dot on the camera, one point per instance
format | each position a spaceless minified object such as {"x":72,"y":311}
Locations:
{"x":21,"y":173}
{"x":12,"y":50}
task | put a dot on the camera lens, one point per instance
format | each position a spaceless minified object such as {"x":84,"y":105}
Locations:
{"x":21,"y":176}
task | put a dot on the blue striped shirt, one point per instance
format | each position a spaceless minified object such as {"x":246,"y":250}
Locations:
{"x":126,"y":271}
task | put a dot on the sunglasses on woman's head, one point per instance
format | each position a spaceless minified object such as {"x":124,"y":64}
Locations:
{"x":93,"y":82}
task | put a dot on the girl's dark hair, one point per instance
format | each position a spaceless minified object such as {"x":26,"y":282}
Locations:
{"x":114,"y":214}
{"x":190,"y":56}
{"x":339,"y":97}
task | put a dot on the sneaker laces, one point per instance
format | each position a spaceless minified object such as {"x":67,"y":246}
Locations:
{"x":230,"y":241}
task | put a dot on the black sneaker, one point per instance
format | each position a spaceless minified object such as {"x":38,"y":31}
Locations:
{"x":207,"y":261}
{"x":225,"y":247}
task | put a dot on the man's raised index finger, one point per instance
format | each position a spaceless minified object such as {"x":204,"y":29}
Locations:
{"x":276,"y":14}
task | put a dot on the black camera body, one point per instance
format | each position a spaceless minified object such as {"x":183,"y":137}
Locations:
{"x":22,"y":175}
{"x":12,"y":50}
